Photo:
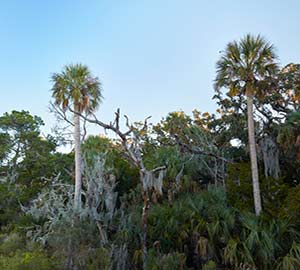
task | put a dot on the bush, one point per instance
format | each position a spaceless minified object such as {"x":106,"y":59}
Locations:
{"x":11,"y":243}
{"x":170,"y":261}
{"x":36,"y":260}
{"x":290,"y":209}
{"x":98,"y":259}
{"x":210,"y":265}
{"x":16,"y":255}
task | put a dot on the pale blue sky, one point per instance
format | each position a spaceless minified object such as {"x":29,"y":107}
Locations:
{"x":152,"y":56}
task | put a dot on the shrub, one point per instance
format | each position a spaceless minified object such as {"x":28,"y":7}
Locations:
{"x":10,"y":243}
{"x":170,"y":261}
{"x":20,"y":260}
{"x":210,"y":265}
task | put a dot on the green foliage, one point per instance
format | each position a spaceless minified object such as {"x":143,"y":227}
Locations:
{"x":290,"y":209}
{"x":170,"y":225}
{"x":19,"y":131}
{"x":240,"y":194}
{"x":210,"y":265}
{"x":9,"y":204}
{"x":201,"y":222}
{"x":239,"y":186}
{"x":15,"y":254}
{"x":244,"y":63}
{"x":75,"y":84}
{"x":20,"y":123}
{"x":185,"y":143}
{"x":204,"y":223}
{"x":168,"y":261}
{"x":27,"y":161}
{"x":10,"y":243}
{"x":292,"y":260}
{"x":98,"y":259}
{"x":5,"y":145}
{"x":27,"y":260}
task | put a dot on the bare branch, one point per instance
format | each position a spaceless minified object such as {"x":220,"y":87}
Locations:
{"x":197,"y":151}
{"x":127,"y":122}
{"x":60,"y":113}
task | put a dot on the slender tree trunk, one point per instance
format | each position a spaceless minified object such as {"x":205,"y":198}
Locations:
{"x":253,"y":156}
{"x":223,"y":171}
{"x":70,"y":256}
{"x":216,"y":172}
{"x":144,"y":224}
{"x":144,"y":229}
{"x":77,"y":199}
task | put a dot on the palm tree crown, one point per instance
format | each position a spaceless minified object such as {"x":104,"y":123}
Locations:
{"x":75,"y":84}
{"x":245,"y":64}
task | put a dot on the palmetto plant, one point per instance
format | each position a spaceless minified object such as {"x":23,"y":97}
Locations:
{"x":204,"y":227}
{"x":262,"y":244}
{"x":202,"y":222}
{"x":75,"y":88}
{"x":242,"y":69}
{"x":291,"y":261}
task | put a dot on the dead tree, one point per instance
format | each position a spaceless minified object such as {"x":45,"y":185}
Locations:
{"x":151,"y":180}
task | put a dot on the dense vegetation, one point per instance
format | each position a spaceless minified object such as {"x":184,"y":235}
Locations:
{"x":207,"y":191}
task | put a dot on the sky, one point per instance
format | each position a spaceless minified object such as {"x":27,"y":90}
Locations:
{"x":152,"y":56}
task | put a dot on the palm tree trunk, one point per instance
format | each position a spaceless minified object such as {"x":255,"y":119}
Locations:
{"x":253,"y":156}
{"x":77,"y":199}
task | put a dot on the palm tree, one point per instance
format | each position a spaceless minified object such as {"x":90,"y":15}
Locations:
{"x":76,"y":87}
{"x":242,"y":68}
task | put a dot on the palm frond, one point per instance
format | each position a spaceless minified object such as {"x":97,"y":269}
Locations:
{"x":76,"y":85}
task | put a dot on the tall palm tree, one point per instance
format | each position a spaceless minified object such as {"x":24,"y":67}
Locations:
{"x":76,"y":87}
{"x":242,"y":68}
